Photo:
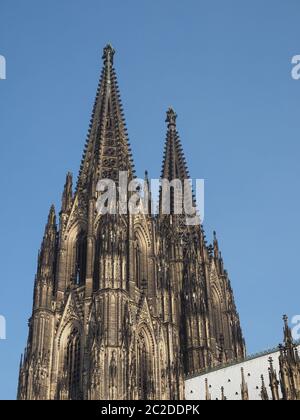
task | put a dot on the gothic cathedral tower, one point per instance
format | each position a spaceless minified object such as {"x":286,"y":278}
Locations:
{"x":124,"y":305}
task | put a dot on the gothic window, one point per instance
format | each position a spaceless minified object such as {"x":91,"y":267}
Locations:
{"x":141,"y":261}
{"x":217,"y":315}
{"x":113,"y":331}
{"x":80,"y":263}
{"x":73,"y":362}
{"x":143,"y":369}
{"x":138,"y":265}
{"x":145,"y":365}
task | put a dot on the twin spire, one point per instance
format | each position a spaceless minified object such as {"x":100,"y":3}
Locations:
{"x":174,"y":163}
{"x":107,"y":150}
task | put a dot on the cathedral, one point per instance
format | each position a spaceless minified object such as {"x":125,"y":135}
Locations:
{"x":125,"y":306}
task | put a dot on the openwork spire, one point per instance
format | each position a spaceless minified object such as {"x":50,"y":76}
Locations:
{"x":174,"y":163}
{"x":174,"y":168}
{"x":107,"y":149}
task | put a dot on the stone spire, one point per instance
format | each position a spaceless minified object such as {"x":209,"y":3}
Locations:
{"x":67,"y":196}
{"x":147,"y":191}
{"x":273,"y":381}
{"x":216,"y":245}
{"x":288,"y":338}
{"x":264,"y":393}
{"x":46,"y":258}
{"x":244,"y":387}
{"x":107,"y":149}
{"x":174,"y":165}
{"x":223,"y":397}
{"x":46,"y":264}
{"x":207,"y":393}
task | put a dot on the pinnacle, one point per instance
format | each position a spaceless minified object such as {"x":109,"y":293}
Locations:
{"x":171,"y":118}
{"x":52,"y":215}
{"x":108,"y":54}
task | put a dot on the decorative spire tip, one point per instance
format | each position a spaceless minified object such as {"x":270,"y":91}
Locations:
{"x":52,"y":215}
{"x":171,"y":118}
{"x":108,"y":54}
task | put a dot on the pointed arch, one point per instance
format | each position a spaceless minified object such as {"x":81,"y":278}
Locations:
{"x":73,"y":364}
{"x":217,"y":313}
{"x":141,"y":255}
{"x":146,"y":360}
{"x":80,"y":258}
{"x":76,"y":255}
{"x":70,"y":361}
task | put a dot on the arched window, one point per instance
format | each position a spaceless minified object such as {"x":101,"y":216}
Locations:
{"x":141,"y":261}
{"x":138,"y":265}
{"x":217,"y":315}
{"x":145,"y":363}
{"x":73,"y":364}
{"x":143,"y":369}
{"x":80,"y":262}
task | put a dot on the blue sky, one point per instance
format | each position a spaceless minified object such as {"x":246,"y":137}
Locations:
{"x":226,"y":69}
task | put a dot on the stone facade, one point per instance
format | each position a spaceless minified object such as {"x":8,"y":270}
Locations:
{"x":125,"y":306}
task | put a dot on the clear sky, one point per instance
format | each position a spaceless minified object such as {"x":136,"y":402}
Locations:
{"x":225,"y":66}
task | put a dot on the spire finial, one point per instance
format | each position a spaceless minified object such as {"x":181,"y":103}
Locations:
{"x":271,"y":362}
{"x":223,"y":394}
{"x":171,"y":118}
{"x":244,"y":387}
{"x":108,"y":54}
{"x":288,"y":339}
{"x":67,"y":194}
{"x":52,"y":216}
{"x":243,"y":375}
{"x":264,"y":392}
{"x":207,"y":393}
{"x":216,"y":245}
